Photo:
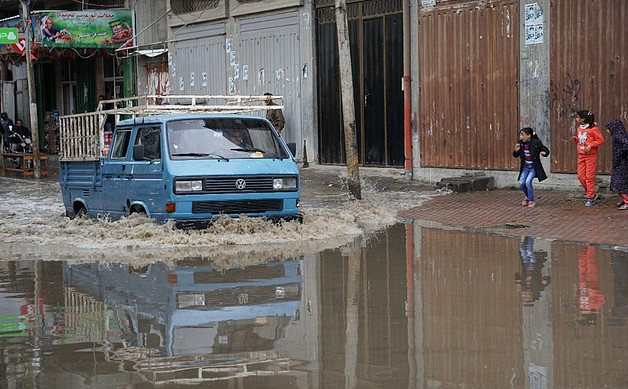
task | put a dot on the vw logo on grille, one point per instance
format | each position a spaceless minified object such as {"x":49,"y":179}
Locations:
{"x":240,"y":184}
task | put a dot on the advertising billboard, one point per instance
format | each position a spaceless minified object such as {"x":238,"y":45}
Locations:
{"x":84,"y":29}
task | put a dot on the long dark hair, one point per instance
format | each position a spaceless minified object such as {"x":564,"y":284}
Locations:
{"x":588,"y":117}
{"x":530,"y":131}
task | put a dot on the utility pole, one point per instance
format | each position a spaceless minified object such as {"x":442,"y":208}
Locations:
{"x":407,"y":96}
{"x":348,"y":108}
{"x":32,"y":93}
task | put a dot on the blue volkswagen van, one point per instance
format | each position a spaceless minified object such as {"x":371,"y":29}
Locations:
{"x":190,"y":168}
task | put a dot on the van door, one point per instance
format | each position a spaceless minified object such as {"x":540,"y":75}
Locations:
{"x":146,"y":184}
{"x":116,"y":174}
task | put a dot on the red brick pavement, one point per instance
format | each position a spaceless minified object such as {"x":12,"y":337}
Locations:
{"x":558,"y":215}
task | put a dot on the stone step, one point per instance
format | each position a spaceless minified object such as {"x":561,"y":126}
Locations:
{"x":467,"y":183}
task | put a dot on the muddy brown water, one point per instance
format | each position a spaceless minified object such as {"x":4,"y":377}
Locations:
{"x":352,"y":298}
{"x":406,"y":307}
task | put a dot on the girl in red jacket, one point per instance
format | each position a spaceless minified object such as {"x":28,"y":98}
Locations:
{"x":588,"y":138}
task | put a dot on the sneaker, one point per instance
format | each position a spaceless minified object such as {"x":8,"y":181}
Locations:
{"x":619,"y":204}
{"x":531,"y":204}
{"x":589,"y":203}
{"x":524,"y":202}
{"x":623,"y":207}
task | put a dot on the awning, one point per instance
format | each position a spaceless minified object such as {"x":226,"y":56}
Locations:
{"x":152,"y":52}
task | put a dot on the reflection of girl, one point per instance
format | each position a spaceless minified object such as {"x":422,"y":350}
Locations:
{"x":590,"y":297}
{"x":531,"y":281}
{"x":48,"y":32}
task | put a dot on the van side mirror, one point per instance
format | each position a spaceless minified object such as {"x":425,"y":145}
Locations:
{"x":293,"y":148}
{"x":138,"y":153}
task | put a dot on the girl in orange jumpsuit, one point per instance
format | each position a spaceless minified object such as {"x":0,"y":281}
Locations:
{"x":588,"y":138}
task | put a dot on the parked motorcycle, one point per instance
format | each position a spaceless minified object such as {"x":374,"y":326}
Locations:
{"x":19,"y":144}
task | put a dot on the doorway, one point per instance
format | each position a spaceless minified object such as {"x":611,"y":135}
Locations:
{"x":376,"y":40}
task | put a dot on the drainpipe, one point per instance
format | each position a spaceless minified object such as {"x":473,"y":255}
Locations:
{"x":407,"y":99}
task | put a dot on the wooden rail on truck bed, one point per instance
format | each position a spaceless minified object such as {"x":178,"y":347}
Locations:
{"x":82,"y":138}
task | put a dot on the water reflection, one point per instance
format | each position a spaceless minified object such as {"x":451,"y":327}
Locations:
{"x":590,"y":297}
{"x":531,"y":280}
{"x":410,"y":307}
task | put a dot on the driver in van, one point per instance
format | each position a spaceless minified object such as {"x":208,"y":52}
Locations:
{"x":238,"y":138}
{"x":152,"y":147}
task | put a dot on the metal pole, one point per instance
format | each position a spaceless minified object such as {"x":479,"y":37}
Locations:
{"x":407,"y":97}
{"x":410,"y":314}
{"x":32,"y":93}
{"x":352,"y":319}
{"x":348,"y":109}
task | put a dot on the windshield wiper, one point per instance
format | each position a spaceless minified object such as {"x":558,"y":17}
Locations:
{"x":190,"y":155}
{"x":250,"y":149}
{"x":200,"y":155}
{"x":219,"y":156}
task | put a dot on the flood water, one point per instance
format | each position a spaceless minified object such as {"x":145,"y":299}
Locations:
{"x":352,"y":298}
{"x":408,"y":307}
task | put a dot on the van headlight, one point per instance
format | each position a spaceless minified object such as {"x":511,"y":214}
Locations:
{"x":187,"y":186}
{"x":285,"y":183}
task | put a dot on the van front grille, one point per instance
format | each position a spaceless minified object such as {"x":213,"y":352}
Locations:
{"x":234,"y":184}
{"x":236,"y":206}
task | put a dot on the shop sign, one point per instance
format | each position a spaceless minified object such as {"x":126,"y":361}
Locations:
{"x":20,"y":46}
{"x":8,"y":35}
{"x":84,"y":29}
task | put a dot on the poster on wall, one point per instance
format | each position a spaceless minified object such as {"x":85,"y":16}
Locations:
{"x":84,"y":29}
{"x":533,"y":24}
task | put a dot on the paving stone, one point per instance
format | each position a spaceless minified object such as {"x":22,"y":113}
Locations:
{"x":558,"y":215}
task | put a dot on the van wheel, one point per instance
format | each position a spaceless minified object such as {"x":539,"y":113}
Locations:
{"x":81,"y":212}
{"x":138,"y":209}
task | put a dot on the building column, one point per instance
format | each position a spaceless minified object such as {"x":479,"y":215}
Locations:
{"x":534,"y":69}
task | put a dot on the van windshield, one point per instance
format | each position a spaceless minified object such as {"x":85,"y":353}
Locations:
{"x":223,"y":138}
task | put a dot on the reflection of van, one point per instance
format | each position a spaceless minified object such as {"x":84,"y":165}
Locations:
{"x":190,"y":168}
{"x":196,"y":310}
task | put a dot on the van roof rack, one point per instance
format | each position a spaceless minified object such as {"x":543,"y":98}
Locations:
{"x":81,"y":136}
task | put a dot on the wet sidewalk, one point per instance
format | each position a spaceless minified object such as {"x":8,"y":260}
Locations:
{"x":558,"y":215}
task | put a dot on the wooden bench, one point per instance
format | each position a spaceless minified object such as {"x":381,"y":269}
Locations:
{"x":25,"y":168}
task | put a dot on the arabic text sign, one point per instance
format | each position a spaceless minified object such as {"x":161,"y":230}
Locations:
{"x":8,"y":35}
{"x":85,"y":29}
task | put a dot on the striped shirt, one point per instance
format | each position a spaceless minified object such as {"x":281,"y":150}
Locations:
{"x":526,"y":153}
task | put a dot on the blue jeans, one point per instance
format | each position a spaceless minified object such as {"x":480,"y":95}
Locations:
{"x":525,"y":181}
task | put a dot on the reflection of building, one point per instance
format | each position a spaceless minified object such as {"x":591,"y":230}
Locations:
{"x":472,"y":328}
{"x":471,"y":316}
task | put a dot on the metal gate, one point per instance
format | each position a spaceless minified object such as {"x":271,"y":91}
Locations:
{"x":270,"y":61}
{"x":197,"y":60}
{"x":468,"y":75}
{"x":588,"y":70}
{"x":375,"y":32}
